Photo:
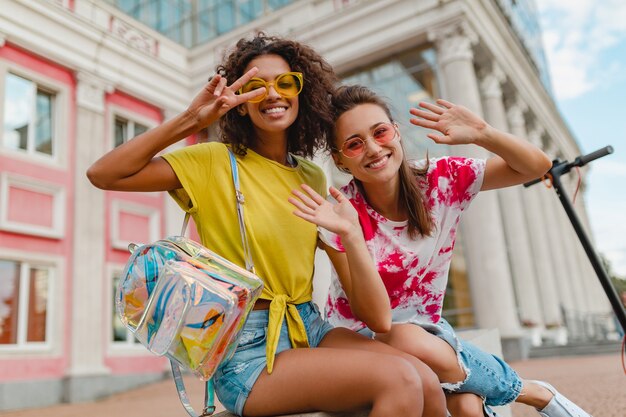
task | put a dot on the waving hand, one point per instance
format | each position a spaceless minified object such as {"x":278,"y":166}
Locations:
{"x":456,"y":124}
{"x":340,"y":218}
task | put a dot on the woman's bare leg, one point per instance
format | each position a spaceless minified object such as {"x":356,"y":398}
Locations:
{"x":330,"y":379}
{"x":347,"y":371}
{"x":465,"y":405}
{"x":430,"y":349}
{"x":534,"y":395}
{"x":434,"y":404}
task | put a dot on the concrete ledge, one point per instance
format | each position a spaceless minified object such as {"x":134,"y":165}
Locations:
{"x":489,"y":340}
{"x":363,"y":413}
{"x":16,"y":395}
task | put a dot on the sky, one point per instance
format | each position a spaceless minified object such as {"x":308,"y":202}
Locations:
{"x":585,"y":44}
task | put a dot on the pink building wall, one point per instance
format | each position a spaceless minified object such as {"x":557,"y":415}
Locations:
{"x":42,"y":366}
{"x":32,"y":208}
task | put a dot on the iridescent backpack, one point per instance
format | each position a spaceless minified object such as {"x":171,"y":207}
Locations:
{"x":187,"y":303}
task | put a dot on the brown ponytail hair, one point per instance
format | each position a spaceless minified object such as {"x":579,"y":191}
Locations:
{"x":420,"y":222}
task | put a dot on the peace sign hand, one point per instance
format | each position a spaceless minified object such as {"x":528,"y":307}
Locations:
{"x":457,"y":124}
{"x":216,"y":98}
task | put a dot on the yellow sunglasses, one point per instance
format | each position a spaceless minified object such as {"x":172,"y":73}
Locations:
{"x":287,"y":85}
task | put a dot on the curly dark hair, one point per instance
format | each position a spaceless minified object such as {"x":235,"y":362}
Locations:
{"x":314,"y":122}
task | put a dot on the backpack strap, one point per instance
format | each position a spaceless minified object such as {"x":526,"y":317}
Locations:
{"x":209,"y":392}
{"x":239,"y":198}
{"x":240,"y":202}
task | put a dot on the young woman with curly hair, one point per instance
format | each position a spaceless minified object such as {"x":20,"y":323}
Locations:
{"x":272,"y":99}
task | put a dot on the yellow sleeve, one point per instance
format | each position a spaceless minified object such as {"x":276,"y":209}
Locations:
{"x":193,"y":167}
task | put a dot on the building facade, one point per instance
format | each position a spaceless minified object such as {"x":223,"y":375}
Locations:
{"x":79,"y":77}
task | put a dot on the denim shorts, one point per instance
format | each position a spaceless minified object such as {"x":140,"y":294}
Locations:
{"x":234,"y":379}
{"x":487,"y":375}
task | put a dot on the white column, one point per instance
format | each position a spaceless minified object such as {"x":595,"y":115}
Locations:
{"x":573,"y":249}
{"x":598,"y":301}
{"x":565,"y":273}
{"x":483,"y":237}
{"x":538,"y":225}
{"x":88,"y":311}
{"x":512,"y":208}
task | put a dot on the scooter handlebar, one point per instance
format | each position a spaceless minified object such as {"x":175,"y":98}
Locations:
{"x":578,"y":162}
{"x":585,"y":159}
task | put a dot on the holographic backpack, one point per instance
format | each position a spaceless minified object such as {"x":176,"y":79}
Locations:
{"x":187,"y":303}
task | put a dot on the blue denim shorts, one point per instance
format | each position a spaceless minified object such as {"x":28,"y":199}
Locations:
{"x":234,"y":379}
{"x":487,"y":375}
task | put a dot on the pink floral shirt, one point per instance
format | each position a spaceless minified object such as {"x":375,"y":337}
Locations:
{"x":415,"y":272}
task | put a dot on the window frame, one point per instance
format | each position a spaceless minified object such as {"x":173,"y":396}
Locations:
{"x":55,"y":268}
{"x":60,"y":115}
{"x":122,"y":206}
{"x":116,"y":348}
{"x":117,"y":112}
{"x":58,"y":193}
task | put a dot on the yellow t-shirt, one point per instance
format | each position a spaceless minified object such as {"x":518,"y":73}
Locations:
{"x":282,"y":245}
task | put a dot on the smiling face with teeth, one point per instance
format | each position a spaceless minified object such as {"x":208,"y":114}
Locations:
{"x":378,"y":164}
{"x":273,"y":115}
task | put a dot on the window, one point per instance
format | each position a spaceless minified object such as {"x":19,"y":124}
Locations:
{"x":457,"y":305}
{"x":192,"y":23}
{"x":125,"y":130}
{"x":120,"y":335}
{"x":28,"y":116}
{"x":24,"y":303}
{"x":405,"y":79}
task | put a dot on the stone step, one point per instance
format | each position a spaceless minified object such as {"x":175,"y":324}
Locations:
{"x":576,"y":349}
{"x":363,"y":413}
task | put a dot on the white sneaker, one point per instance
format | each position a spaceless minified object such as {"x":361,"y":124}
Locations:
{"x":559,"y":406}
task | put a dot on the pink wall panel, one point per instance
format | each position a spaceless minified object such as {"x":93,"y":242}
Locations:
{"x":135,"y":105}
{"x":134,"y":227}
{"x":30,"y":207}
{"x":135,"y":364}
{"x":36,"y":63}
{"x":32,"y":369}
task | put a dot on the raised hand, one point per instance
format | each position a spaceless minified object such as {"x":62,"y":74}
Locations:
{"x":216,"y":98}
{"x":457,"y":124}
{"x":340,"y":218}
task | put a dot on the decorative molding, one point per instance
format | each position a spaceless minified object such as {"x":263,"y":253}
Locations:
{"x":90,"y":91}
{"x":118,"y":207}
{"x":454,"y":41}
{"x":535,"y":136}
{"x":63,"y":3}
{"x":515,"y":113}
{"x":56,"y":191}
{"x":491,"y":81}
{"x":344,"y":4}
{"x":552,"y":149}
{"x":133,"y":37}
{"x":129,"y":115}
{"x":170,"y":114}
